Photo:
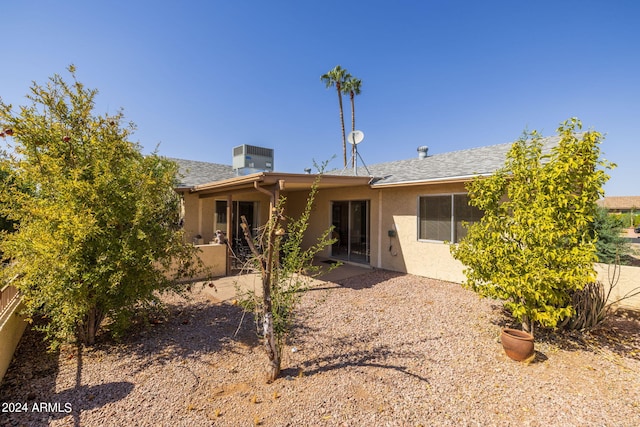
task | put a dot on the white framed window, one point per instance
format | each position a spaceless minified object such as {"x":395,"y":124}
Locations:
{"x":440,"y":217}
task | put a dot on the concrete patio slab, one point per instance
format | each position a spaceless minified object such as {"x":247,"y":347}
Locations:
{"x":225,"y":289}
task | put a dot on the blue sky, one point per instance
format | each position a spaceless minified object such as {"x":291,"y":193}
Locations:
{"x":200,"y":77}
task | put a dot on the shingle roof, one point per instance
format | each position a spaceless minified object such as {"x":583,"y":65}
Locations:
{"x":194,"y":173}
{"x":442,"y":166}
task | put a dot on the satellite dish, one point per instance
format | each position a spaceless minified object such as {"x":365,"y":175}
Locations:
{"x":355,"y":137}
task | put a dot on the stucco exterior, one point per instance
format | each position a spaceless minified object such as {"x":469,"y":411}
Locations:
{"x":200,"y":213}
{"x":390,"y":209}
{"x":392,"y":226}
{"x":627,"y":283}
{"x":214,"y":257}
{"x":12,"y":326}
{"x":405,"y":252}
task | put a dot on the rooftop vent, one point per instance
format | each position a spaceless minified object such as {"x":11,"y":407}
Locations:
{"x":422,"y":152}
{"x":248,"y":159}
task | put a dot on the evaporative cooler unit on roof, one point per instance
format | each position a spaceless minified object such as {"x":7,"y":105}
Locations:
{"x":248,"y":159}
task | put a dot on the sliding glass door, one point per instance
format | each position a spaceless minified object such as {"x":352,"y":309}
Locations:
{"x":351,"y":229}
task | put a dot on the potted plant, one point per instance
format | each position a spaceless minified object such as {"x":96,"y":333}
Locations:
{"x":517,"y":344}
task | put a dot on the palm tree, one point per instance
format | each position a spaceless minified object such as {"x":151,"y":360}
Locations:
{"x":352,"y":87}
{"x":337,"y":77}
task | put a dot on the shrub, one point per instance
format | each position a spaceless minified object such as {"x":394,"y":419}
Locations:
{"x":534,"y":245}
{"x":98,"y":221}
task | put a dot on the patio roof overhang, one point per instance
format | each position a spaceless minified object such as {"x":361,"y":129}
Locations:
{"x":281,"y":181}
{"x":447,"y":180}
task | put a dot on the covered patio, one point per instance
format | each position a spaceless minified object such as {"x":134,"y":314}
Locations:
{"x":219,"y":205}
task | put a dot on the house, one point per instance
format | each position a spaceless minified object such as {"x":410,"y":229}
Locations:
{"x":621,"y":204}
{"x":395,"y":215}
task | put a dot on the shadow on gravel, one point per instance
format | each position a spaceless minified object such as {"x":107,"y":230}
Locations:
{"x":539,"y":357}
{"x":31,"y":376}
{"x":356,"y":358}
{"x":92,"y":397}
{"x":619,"y":334}
{"x":376,"y":357}
{"x":373,"y":278}
{"x":189,"y":329}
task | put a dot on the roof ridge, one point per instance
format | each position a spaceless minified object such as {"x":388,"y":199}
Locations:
{"x":463,"y":150}
{"x":197,"y":161}
{"x":447,"y":153}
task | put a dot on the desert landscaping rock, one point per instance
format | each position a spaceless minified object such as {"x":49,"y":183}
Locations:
{"x":376,"y":349}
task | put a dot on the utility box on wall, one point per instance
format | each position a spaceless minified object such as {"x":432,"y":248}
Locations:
{"x":248,"y":159}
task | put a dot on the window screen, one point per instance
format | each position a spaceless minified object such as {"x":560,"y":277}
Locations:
{"x":441,"y":217}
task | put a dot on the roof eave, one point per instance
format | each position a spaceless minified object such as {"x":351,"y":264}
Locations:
{"x":446,"y":180}
{"x":286,"y":181}
{"x":238,"y":181}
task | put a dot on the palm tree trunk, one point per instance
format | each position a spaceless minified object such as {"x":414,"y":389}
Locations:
{"x":344,"y":137}
{"x":353,"y":128}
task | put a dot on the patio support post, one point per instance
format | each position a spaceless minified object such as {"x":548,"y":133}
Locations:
{"x":229,"y":232}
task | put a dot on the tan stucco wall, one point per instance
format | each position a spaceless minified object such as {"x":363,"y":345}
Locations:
{"x":405,"y":252}
{"x":215,"y":258}
{"x":390,"y":209}
{"x":12,"y":327}
{"x":629,"y":280}
{"x":191,"y":224}
{"x":321,"y":212}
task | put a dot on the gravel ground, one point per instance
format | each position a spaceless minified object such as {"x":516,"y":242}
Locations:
{"x":380,"y":349}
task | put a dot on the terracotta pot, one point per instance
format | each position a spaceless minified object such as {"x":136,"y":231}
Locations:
{"x":517,"y":344}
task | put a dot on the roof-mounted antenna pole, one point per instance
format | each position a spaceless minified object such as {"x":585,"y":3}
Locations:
{"x":363,"y":164}
{"x":355,"y":137}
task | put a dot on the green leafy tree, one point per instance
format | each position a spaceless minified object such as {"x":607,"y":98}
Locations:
{"x":286,"y":269}
{"x":533,"y":246}
{"x":336,"y":78}
{"x":630,"y":219}
{"x":97,"y":220}
{"x":6,"y":225}
{"x":611,"y":247}
{"x":352,"y":87}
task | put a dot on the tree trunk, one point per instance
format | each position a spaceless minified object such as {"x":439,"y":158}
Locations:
{"x":90,"y":325}
{"x":270,"y":344}
{"x":266,"y":263}
{"x":527,"y":325}
{"x":344,"y":137}
{"x":353,"y":128}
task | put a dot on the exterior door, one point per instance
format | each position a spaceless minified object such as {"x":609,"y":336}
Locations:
{"x":239,"y":208}
{"x":351,"y":230}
